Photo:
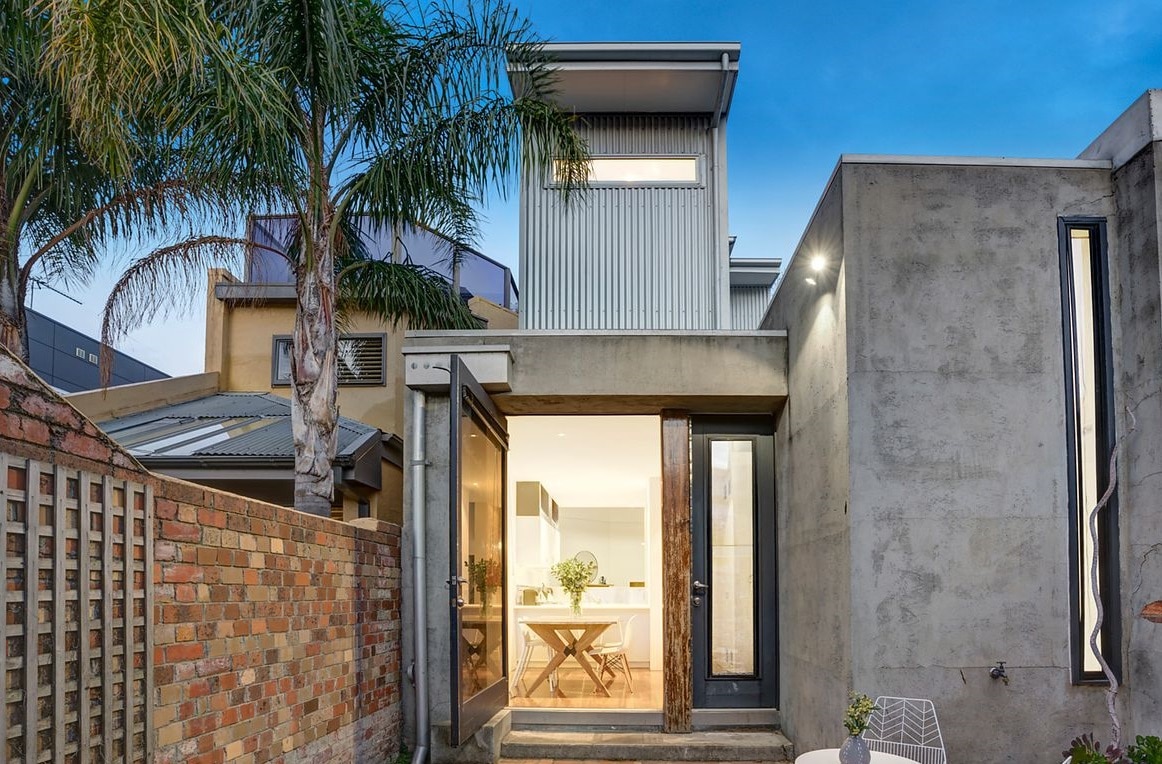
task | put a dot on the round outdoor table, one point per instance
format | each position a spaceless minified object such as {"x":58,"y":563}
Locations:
{"x":831,"y":756}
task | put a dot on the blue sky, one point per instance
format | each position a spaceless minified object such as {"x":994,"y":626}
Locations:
{"x":817,"y":79}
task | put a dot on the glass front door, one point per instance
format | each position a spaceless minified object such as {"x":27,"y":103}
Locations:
{"x":477,"y":578}
{"x":733,"y":591}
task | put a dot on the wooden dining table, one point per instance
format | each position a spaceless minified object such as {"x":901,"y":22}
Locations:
{"x":570,"y":638}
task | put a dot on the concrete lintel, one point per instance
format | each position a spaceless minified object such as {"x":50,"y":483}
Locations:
{"x":427,"y":369}
{"x":612,"y":372}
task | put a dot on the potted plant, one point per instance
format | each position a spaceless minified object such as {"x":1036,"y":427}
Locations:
{"x":1146,"y":749}
{"x":854,"y":750}
{"x":573,"y":576}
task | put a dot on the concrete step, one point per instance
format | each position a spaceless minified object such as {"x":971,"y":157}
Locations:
{"x":764,"y":746}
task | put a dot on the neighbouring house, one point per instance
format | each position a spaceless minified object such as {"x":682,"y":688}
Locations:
{"x":876,"y":480}
{"x":229,"y":426}
{"x":69,"y":361}
{"x":242,"y":443}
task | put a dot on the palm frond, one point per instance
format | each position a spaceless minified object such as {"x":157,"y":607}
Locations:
{"x":393,"y":292}
{"x":161,"y":284}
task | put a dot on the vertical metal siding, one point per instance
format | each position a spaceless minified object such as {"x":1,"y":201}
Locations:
{"x":623,"y":257}
{"x":747,"y":306}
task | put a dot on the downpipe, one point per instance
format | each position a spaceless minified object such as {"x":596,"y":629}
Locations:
{"x":419,"y":520}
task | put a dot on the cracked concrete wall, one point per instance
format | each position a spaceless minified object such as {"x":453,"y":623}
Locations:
{"x":959,"y":511}
{"x":1137,"y":298}
{"x":811,"y":465}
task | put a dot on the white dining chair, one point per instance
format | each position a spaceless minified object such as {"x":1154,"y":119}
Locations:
{"x":615,"y":655}
{"x":532,"y":642}
{"x":906,"y":727}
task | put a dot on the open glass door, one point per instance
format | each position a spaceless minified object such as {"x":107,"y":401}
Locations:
{"x":733,"y":598}
{"x":477,"y":578}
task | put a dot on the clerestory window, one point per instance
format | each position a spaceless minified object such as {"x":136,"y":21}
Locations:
{"x":1090,"y":436}
{"x":638,"y":171}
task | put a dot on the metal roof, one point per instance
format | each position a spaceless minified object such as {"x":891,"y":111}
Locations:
{"x":237,"y":425}
{"x":640,"y":78}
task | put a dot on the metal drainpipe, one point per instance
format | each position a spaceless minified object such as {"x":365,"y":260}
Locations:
{"x":419,"y":573}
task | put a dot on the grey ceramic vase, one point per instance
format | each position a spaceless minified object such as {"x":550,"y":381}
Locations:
{"x":854,"y":751}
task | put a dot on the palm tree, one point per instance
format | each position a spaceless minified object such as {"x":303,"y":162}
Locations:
{"x":383,"y":112}
{"x":59,"y":204}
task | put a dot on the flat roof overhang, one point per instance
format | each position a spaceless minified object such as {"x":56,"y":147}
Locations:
{"x":635,"y":77}
{"x":609,"y":372}
{"x":754,"y":272}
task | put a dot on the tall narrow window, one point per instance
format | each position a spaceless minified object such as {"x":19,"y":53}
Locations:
{"x":1090,"y":436}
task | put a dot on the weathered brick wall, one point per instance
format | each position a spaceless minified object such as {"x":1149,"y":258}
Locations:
{"x":276,"y":634}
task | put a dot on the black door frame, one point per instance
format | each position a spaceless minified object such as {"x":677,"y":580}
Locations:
{"x":468,"y":399}
{"x":762,"y":689}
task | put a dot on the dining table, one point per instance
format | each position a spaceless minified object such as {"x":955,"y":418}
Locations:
{"x":570,"y":638}
{"x":831,"y":756}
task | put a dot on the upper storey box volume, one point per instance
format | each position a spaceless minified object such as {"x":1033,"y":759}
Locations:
{"x":647,"y":246}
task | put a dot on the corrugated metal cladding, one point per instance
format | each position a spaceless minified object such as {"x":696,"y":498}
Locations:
{"x":747,"y":306}
{"x":624,"y":257}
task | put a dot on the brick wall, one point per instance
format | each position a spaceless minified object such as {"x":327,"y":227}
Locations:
{"x":276,"y":634}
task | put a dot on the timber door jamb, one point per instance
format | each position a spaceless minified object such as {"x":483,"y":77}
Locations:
{"x":677,"y":659}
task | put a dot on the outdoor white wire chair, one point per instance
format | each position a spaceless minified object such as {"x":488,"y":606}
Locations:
{"x":906,"y":727}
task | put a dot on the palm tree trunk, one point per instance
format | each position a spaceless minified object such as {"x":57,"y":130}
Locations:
{"x":315,"y":377}
{"x":12,"y":319}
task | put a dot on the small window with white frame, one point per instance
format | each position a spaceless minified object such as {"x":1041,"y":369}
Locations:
{"x":637,"y":171}
{"x":362,"y":360}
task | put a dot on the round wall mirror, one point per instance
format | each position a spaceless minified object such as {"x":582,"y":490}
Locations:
{"x":589,"y":557}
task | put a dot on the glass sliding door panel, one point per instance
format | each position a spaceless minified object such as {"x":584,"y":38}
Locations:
{"x":482,"y":556}
{"x":732,"y":558}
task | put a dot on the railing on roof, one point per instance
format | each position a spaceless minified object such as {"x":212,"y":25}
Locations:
{"x":480,"y":275}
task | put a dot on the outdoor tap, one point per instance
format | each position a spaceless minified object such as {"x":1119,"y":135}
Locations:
{"x":998,"y":672}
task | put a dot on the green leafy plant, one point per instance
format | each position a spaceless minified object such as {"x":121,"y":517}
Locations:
{"x":1086,"y":750}
{"x":858,"y":712}
{"x":574,"y":575}
{"x":1146,"y":749}
{"x":484,"y":575}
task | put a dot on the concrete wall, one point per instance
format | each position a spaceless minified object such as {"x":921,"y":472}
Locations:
{"x":948,"y":279}
{"x":812,"y":495}
{"x":959,"y":510}
{"x":1138,"y":322}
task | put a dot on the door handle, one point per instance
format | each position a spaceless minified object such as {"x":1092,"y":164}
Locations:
{"x":699,"y":587}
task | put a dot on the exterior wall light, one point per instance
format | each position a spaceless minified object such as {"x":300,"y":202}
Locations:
{"x":818,"y":263}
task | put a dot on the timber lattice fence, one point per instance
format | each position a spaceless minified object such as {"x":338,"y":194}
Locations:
{"x":77,"y":569}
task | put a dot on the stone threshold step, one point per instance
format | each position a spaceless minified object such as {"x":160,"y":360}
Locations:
{"x":765,"y":746}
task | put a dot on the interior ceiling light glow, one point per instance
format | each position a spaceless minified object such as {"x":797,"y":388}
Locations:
{"x":818,"y":263}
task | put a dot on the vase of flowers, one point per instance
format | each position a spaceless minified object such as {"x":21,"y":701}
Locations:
{"x":854,"y":749}
{"x":573,"y":576}
{"x":483,"y":577}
